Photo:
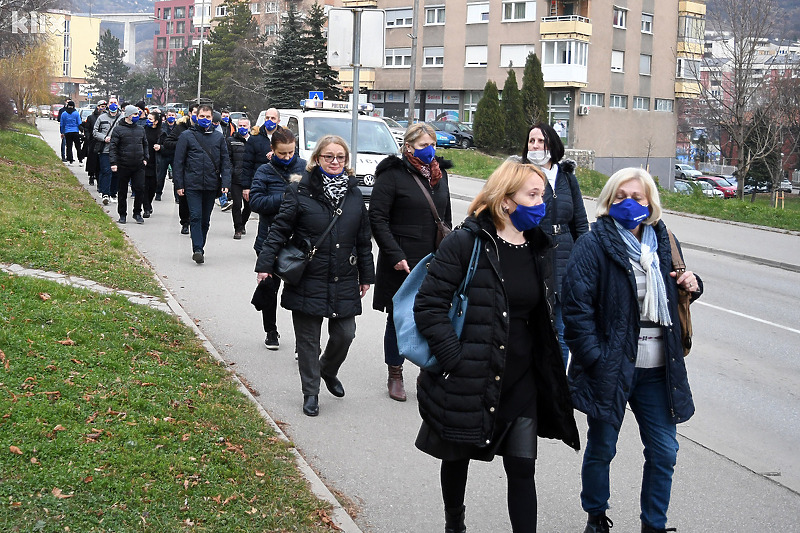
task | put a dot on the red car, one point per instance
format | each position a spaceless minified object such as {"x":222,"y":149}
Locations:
{"x":728,"y":190}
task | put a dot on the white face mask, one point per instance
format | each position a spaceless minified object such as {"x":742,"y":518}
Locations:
{"x":538,"y":157}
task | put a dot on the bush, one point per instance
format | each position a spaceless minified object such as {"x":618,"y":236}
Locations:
{"x":6,"y":110}
{"x":488,"y":124}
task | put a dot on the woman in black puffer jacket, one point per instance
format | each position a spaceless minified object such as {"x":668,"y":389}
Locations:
{"x":339,"y":273}
{"x":503,"y":381}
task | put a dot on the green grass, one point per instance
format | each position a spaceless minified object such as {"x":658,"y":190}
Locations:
{"x":49,"y":221}
{"x":470,"y":162}
{"x":114,"y":418}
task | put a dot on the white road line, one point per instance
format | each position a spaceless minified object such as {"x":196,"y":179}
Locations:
{"x":773,"y":324}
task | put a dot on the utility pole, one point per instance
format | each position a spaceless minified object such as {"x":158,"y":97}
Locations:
{"x":166,"y":97}
{"x":200,"y":69}
{"x":356,"y":82}
{"x":412,"y":82}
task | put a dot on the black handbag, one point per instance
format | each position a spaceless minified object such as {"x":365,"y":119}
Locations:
{"x":291,"y":261}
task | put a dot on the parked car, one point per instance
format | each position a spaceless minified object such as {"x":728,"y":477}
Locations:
{"x":683,"y":187}
{"x":785,"y":186}
{"x":398,"y":131}
{"x":463,"y":133}
{"x":689,"y":187}
{"x":85,"y":112}
{"x":730,"y":178}
{"x":444,"y":139}
{"x":684,"y":171}
{"x":728,"y":190}
{"x":236,"y":115}
{"x":44,"y":111}
{"x":760,"y":187}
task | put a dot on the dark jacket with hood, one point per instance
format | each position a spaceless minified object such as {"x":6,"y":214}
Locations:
{"x":236,"y":147}
{"x":128,"y":147}
{"x":460,"y":403}
{"x":193,"y":169}
{"x":266,"y":194}
{"x":255,"y":152}
{"x":343,"y":261}
{"x":170,"y":143}
{"x":601,"y":325}
{"x":166,"y":130}
{"x":152,"y":135}
{"x":402,"y":222}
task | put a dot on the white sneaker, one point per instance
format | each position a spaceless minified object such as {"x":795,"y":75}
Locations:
{"x":105,"y":199}
{"x":113,"y":199}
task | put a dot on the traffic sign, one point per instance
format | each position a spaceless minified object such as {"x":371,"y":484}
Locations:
{"x":149,"y":93}
{"x":316,"y":95}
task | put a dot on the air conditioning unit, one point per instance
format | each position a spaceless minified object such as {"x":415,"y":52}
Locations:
{"x":583,"y":110}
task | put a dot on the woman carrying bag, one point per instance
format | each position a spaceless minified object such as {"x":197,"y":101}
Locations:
{"x":337,"y":276}
{"x":410,"y":194}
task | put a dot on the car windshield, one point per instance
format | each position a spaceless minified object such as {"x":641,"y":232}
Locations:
{"x":392,"y":123}
{"x":706,"y":185}
{"x":373,"y":137}
{"x":685,"y":167}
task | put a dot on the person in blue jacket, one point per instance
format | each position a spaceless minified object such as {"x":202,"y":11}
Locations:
{"x":622,"y":326}
{"x":70,"y":122}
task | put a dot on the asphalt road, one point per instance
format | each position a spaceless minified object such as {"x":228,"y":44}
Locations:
{"x":744,"y":372}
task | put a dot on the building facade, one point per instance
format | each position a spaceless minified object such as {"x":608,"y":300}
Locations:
{"x":176,"y":30}
{"x":613,"y":69}
{"x":72,"y":39}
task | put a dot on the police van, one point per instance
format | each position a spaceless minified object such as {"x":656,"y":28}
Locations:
{"x":317,"y":118}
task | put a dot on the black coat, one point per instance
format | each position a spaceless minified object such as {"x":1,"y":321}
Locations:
{"x":88,"y":128}
{"x":152,"y":135}
{"x":167,"y":152}
{"x":170,"y":143}
{"x":601,"y":325}
{"x":343,"y":261}
{"x":255,"y":152}
{"x":460,"y":404}
{"x":402,"y":222}
{"x":236,"y":144}
{"x":266,"y":194}
{"x":193,"y":169}
{"x":128,"y":147}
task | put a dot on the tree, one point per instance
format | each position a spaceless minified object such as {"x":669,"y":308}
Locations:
{"x":17,"y":36}
{"x":26,"y":75}
{"x":183,"y":77}
{"x":488,"y":123}
{"x":323,"y":77}
{"x":137,"y":83}
{"x":289,"y":78}
{"x":513,"y":117}
{"x":108,"y":73}
{"x":533,"y":93}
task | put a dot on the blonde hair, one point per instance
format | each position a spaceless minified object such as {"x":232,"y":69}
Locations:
{"x":323,"y":143}
{"x":415,"y":131}
{"x":504,"y":182}
{"x":609,"y":192}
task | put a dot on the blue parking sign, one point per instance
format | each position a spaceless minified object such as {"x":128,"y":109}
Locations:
{"x":316,"y":95}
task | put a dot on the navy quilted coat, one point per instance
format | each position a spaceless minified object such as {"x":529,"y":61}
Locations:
{"x":266,"y":194}
{"x":601,"y":325}
{"x":459,"y":404}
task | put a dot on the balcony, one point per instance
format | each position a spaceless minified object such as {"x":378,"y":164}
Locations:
{"x":573,"y":27}
{"x":565,"y":75}
{"x":685,"y":88}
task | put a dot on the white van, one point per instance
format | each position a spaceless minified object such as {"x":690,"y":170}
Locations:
{"x":323,"y":117}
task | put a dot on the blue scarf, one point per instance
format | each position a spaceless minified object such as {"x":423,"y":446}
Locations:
{"x":654,"y":307}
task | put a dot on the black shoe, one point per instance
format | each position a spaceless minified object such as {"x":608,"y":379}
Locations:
{"x":138,"y":219}
{"x":649,"y":529}
{"x":146,"y":214}
{"x":244,"y":231}
{"x":122,"y":220}
{"x":91,"y":180}
{"x":158,"y":197}
{"x":454,"y":520}
{"x":334,"y":385}
{"x":237,"y":235}
{"x":598,"y":524}
{"x":311,"y":405}
{"x":271,"y":341}
{"x":185,"y":229}
{"x":198,"y":258}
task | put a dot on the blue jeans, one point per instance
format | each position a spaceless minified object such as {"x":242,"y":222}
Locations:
{"x":390,"y":352}
{"x":201,"y":204}
{"x":106,"y":180}
{"x":649,"y":403}
{"x":558,"y":322}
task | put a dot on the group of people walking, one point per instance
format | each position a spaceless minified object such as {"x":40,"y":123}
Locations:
{"x":562,"y":315}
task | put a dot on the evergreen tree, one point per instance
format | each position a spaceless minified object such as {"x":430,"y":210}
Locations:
{"x":183,"y":77}
{"x":513,"y":116}
{"x":289,"y":79}
{"x":137,"y":83}
{"x":533,"y":93}
{"x":488,"y":124}
{"x":108,"y":73}
{"x":324,"y":78}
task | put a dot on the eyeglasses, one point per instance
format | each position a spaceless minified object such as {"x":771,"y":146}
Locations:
{"x":331,"y":158}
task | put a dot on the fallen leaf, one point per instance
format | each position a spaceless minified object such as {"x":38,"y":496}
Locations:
{"x":34,"y":461}
{"x":88,"y":479}
{"x":185,"y":437}
{"x":260,"y":474}
{"x":61,"y":496}
{"x":44,"y":296}
{"x":59,"y":428}
{"x":3,"y":359}
{"x":76,"y":361}
{"x":67,"y":342}
{"x":14,"y":449}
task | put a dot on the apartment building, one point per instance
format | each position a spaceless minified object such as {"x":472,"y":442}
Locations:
{"x":176,"y":30}
{"x":72,"y":39}
{"x":613,"y":69}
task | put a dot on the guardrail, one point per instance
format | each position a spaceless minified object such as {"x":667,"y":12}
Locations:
{"x":567,"y":18}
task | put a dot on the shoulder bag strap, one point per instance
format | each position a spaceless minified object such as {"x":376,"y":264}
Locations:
{"x":216,"y":170}
{"x":328,"y":229}
{"x":677,"y":260}
{"x":473,"y":266}
{"x":427,"y":194}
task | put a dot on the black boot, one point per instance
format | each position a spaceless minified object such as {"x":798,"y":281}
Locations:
{"x":598,"y":524}
{"x":649,"y":529}
{"x":454,"y":520}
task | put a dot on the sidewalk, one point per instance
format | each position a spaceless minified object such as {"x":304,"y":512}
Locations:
{"x":362,"y":445}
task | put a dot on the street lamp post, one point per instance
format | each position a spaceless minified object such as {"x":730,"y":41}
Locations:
{"x":200,"y":68}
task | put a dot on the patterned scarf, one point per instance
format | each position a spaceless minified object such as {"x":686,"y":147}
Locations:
{"x":335,"y":187}
{"x":431,"y":172}
{"x":654,"y":307}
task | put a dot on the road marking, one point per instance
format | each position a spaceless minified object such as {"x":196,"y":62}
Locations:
{"x":773,"y":324}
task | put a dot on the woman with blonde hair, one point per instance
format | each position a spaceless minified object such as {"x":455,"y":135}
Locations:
{"x":338,"y":274}
{"x":622,"y":327}
{"x":502,"y":382}
{"x":405,"y":227}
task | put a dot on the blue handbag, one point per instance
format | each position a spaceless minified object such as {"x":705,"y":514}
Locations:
{"x":411,"y":344}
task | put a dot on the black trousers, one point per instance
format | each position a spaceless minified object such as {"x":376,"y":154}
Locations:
{"x":183,"y":207}
{"x":162,"y":166}
{"x":134,"y":176}
{"x":241,"y":207}
{"x":73,"y":139}
{"x":149,"y":191}
{"x":269,"y":312}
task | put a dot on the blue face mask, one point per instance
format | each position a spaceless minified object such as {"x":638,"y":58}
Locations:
{"x":148,"y":122}
{"x":286,"y":162}
{"x":425,"y":154}
{"x":135,"y":119}
{"x":113,"y":107}
{"x":629,"y":213}
{"x":170,"y":120}
{"x":527,"y":217}
{"x":270,"y":125}
{"x":194,"y":119}
{"x":204,"y":123}
{"x":331,"y":175}
{"x":243,"y":131}
{"x":225,"y":120}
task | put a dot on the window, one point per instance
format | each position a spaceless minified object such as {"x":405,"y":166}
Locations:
{"x":191,"y":11}
{"x":565,"y":53}
{"x":477,"y":13}
{"x":398,"y":57}
{"x":168,"y":29}
{"x":620,"y":17}
{"x":647,"y":23}
{"x":161,"y":43}
{"x":515,"y":55}
{"x":476,"y":56}
{"x":271,"y":29}
{"x":618,"y":101}
{"x":255,"y":8}
{"x":687,"y":68}
{"x":519,"y":11}
{"x":221,"y":11}
{"x":271,"y":7}
{"x":180,"y":12}
{"x":399,"y":17}
{"x":691,"y":28}
{"x":434,"y":15}
{"x":641,"y":103}
{"x":180,"y":27}
{"x":434,"y":56}
{"x":176,"y":42}
{"x":167,"y":13}
{"x":593,"y":99}
{"x":645,"y":62}
{"x":663,"y":105}
{"x":471,"y":99}
{"x":617,"y":61}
